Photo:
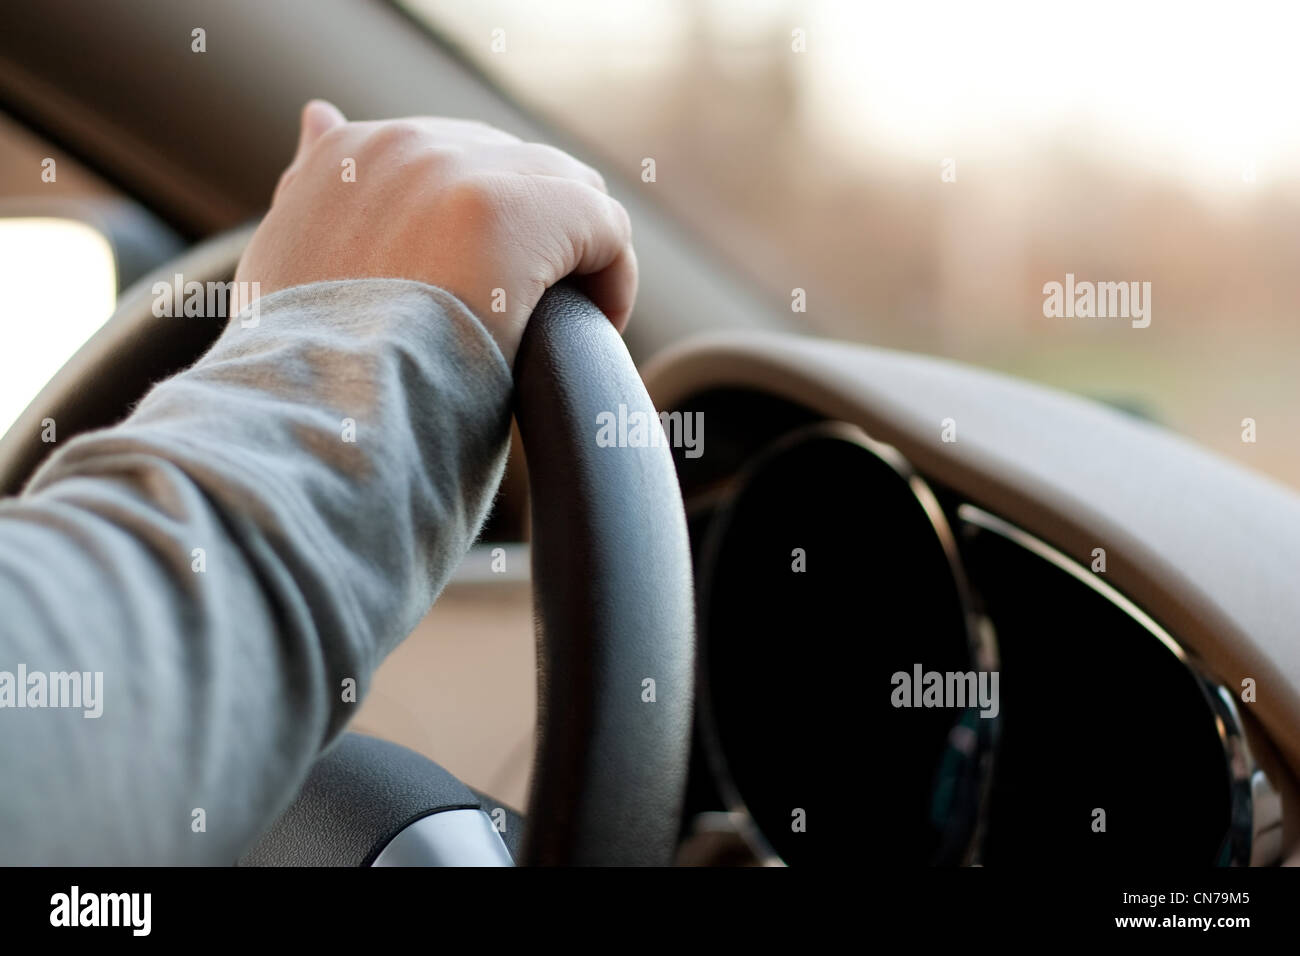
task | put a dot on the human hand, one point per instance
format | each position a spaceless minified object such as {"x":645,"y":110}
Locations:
{"x":453,"y":203}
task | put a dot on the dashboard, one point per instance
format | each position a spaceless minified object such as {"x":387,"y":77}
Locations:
{"x":839,"y":542}
{"x":891,"y":670}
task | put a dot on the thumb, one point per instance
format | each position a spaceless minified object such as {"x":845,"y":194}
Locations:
{"x":318,"y":118}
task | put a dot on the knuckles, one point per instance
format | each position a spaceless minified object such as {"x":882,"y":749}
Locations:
{"x":477,"y":202}
{"x":485,"y":189}
{"x":395,"y":136}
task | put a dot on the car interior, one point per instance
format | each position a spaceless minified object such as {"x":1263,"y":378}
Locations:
{"x":716,"y":652}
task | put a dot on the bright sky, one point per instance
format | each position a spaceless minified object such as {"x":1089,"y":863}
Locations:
{"x":1198,"y":89}
{"x":1194,"y":89}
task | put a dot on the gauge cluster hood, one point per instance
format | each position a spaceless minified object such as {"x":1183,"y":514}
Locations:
{"x":1207,"y":548}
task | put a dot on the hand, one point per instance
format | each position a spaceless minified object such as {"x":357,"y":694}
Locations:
{"x":454,"y":203}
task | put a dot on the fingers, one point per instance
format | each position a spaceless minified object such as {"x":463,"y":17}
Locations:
{"x":613,"y":288}
{"x":606,"y":264}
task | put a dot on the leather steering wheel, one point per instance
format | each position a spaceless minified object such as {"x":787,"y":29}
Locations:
{"x":611,"y":577}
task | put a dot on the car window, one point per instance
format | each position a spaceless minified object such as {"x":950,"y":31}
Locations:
{"x":58,"y":274}
{"x":953,"y":178}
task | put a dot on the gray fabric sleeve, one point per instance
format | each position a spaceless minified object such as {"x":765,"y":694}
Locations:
{"x":263,"y":528}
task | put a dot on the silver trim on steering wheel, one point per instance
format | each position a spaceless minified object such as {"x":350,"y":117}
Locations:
{"x":464,"y":837}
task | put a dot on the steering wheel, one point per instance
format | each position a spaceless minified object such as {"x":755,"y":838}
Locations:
{"x":612,"y":589}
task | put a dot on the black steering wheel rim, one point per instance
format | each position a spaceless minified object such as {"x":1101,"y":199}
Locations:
{"x":610,"y":553}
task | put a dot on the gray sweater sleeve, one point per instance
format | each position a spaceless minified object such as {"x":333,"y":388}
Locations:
{"x":260,"y":532}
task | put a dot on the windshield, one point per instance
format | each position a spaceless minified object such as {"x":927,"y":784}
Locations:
{"x":1100,"y":196}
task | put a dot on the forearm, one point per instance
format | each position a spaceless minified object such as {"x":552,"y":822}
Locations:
{"x":265,"y":527}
